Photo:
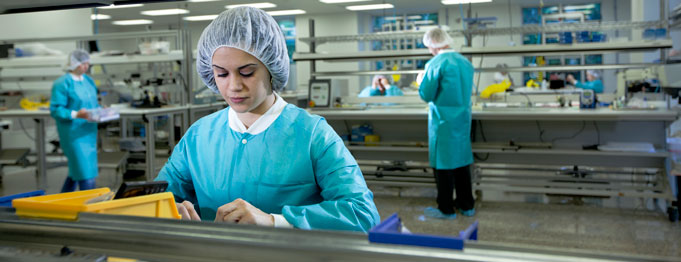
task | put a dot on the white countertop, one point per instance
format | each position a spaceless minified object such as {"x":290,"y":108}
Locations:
{"x":123,"y":112}
{"x":553,"y":114}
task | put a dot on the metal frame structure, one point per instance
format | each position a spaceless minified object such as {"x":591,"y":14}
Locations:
{"x":153,"y":239}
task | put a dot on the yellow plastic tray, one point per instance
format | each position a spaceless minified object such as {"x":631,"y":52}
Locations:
{"x":68,"y":205}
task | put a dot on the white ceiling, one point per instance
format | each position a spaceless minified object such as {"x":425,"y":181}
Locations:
{"x":313,"y":7}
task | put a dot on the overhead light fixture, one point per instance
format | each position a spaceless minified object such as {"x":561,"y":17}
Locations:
{"x":160,"y":12}
{"x":287,"y":12}
{"x":120,"y":6}
{"x":393,"y":18}
{"x":423,"y":22}
{"x":458,"y":2}
{"x":133,"y":22}
{"x":414,"y":17}
{"x":341,"y":1}
{"x":100,"y":17}
{"x":198,"y":1}
{"x":200,"y":17}
{"x":369,"y":7}
{"x":256,"y":5}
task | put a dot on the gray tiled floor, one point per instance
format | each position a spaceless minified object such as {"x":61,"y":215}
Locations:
{"x":621,"y":231}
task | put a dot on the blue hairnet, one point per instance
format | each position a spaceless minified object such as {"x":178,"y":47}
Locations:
{"x":437,"y":38}
{"x":250,"y":30}
{"x":76,"y":58}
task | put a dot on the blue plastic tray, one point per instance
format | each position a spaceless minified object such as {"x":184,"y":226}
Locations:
{"x":389,"y":232}
{"x":6,"y":201}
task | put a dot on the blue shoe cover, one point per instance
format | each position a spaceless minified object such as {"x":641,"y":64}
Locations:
{"x":468,"y":213}
{"x":436,"y":213}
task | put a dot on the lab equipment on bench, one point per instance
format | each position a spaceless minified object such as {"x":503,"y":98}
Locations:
{"x":587,"y":99}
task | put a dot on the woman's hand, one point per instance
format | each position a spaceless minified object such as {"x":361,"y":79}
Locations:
{"x":82,"y":114}
{"x":187,"y":211}
{"x":241,"y":212}
{"x":570,"y":79}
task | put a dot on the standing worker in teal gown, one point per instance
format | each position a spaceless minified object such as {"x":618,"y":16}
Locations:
{"x":262,"y":161}
{"x":446,"y":86}
{"x":593,"y":81}
{"x":72,"y":95}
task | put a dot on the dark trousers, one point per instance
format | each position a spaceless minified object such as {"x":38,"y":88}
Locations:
{"x":70,"y":184}
{"x":449,"y":179}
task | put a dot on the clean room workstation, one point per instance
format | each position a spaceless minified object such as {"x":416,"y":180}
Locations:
{"x":364,"y":130}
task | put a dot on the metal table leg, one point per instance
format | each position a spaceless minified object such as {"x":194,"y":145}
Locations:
{"x":41,"y":174}
{"x":124,"y":127}
{"x":171,"y":131}
{"x":185,"y":121}
{"x":150,"y":172}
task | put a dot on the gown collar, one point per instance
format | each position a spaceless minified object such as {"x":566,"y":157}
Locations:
{"x":262,"y":123}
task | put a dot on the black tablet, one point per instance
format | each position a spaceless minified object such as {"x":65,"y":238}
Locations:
{"x":133,"y":189}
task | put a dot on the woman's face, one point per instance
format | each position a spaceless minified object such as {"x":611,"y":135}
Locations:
{"x":243,"y":81}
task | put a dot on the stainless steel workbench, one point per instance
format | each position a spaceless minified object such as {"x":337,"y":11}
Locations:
{"x":552,"y":114}
{"x":40,"y":117}
{"x":148,"y":116}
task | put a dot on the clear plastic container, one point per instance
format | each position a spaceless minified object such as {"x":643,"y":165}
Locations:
{"x":154,"y":48}
{"x":103,"y":114}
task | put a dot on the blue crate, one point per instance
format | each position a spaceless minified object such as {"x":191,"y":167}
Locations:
{"x":389,"y":232}
{"x":6,"y":201}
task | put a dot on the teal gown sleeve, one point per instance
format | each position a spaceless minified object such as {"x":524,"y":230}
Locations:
{"x":366,"y":92}
{"x":176,"y":173}
{"x":348,"y":203}
{"x":394,"y":91}
{"x":59,"y":101}
{"x":596,"y":85}
{"x":430,"y":84}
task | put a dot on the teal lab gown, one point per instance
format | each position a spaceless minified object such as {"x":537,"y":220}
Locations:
{"x":391,"y":91}
{"x":596,"y":85}
{"x":298,"y":167}
{"x":446,"y":87}
{"x":77,"y":137}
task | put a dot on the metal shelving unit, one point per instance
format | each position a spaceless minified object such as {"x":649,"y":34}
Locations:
{"x":175,"y":78}
{"x":489,"y":51}
{"x":526,"y":29}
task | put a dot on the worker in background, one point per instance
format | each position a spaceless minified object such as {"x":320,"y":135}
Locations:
{"x":73,"y":94}
{"x":380,"y":86}
{"x":446,"y":85}
{"x":593,"y":81}
{"x":262,"y":161}
{"x":502,"y":74}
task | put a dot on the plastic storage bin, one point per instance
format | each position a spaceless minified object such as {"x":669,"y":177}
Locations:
{"x":68,"y":205}
{"x":390,"y":232}
{"x":6,"y":201}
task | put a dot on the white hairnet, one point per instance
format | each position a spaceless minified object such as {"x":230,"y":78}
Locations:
{"x":437,"y":38}
{"x":250,"y":30}
{"x":378,"y":77}
{"x":594,"y":73}
{"x":76,"y":58}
